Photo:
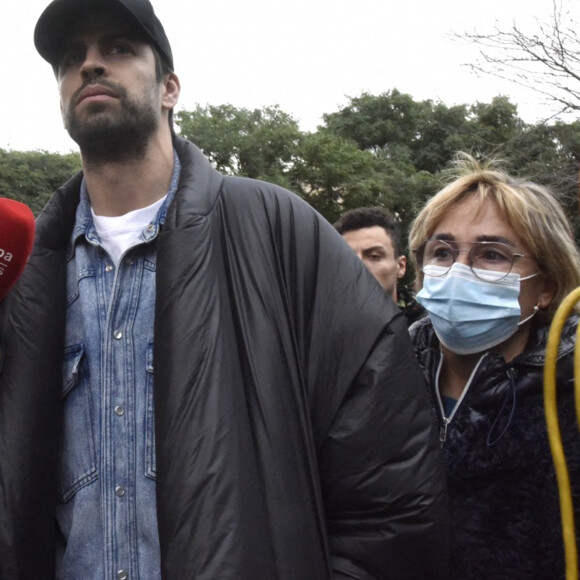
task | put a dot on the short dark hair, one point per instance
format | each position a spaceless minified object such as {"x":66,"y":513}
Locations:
{"x":367,"y":217}
{"x":162,"y":68}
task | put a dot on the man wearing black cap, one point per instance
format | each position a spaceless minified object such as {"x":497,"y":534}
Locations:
{"x":198,"y":379}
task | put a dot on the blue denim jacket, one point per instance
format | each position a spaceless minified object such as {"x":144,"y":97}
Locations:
{"x":107,"y":523}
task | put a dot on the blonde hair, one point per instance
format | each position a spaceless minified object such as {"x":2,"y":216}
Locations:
{"x":530,"y":209}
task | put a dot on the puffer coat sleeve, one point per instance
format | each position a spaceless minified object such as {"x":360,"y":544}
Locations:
{"x":314,"y":412}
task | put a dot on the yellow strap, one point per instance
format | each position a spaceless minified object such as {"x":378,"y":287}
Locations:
{"x":553,"y":426}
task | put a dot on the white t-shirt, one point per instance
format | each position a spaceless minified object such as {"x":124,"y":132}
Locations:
{"x":119,"y":233}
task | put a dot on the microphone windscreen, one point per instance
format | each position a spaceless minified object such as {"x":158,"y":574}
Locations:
{"x":16,"y":241}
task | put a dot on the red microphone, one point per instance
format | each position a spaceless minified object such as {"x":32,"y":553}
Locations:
{"x":16,"y":240}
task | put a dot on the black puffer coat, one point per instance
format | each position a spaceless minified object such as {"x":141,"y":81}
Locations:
{"x":293,"y":431}
{"x":505,"y":514}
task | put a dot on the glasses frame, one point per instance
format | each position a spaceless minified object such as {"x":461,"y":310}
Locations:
{"x":455,"y":251}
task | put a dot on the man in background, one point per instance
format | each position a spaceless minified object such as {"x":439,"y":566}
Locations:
{"x":196,"y":381}
{"x":373,"y":234}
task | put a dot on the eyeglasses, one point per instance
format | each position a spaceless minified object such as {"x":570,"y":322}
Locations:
{"x":489,"y":261}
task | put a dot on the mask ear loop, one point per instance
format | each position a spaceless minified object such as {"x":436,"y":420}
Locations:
{"x":536,"y":308}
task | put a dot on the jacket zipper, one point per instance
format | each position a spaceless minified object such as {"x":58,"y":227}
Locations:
{"x":447,"y":420}
{"x":443,"y":431}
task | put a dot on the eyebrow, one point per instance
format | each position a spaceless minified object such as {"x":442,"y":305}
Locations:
{"x":497,"y":239}
{"x":375,"y":247}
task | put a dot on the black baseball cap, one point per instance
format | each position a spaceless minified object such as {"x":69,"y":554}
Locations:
{"x":57,"y":20}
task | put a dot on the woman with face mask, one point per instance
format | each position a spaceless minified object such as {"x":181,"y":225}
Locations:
{"x":495,"y":256}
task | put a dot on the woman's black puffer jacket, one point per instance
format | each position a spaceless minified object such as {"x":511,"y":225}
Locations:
{"x":505,"y":513}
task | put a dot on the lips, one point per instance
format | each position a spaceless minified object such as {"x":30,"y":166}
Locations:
{"x":94,"y":92}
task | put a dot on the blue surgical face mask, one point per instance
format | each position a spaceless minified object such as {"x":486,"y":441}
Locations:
{"x":470,"y":315}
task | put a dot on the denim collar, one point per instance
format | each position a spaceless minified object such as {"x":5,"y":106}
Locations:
{"x":84,"y":225}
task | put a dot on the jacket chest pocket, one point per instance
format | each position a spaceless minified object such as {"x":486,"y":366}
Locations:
{"x":78,"y":456}
{"x":150,"y":464}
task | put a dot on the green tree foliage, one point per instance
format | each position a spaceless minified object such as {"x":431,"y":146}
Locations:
{"x":258,"y":144}
{"x":387,"y":122}
{"x":329,"y":172}
{"x":424,"y":133}
{"x":386,"y":150}
{"x":333,"y":174}
{"x":32,"y":176}
{"x":430,"y":133}
{"x":550,"y":155}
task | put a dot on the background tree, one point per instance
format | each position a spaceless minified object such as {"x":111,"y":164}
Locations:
{"x":387,"y":122}
{"x":32,"y":176}
{"x":333,"y":174}
{"x":413,"y":141}
{"x":324,"y":169}
{"x":424,"y":133}
{"x":546,"y":59}
{"x":386,"y":150}
{"x":258,"y":143}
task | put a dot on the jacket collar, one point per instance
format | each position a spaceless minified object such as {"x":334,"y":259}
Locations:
{"x":199,"y":185}
{"x":197,"y":175}
{"x":424,"y":339}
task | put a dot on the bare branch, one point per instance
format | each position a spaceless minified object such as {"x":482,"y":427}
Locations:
{"x":546,"y":61}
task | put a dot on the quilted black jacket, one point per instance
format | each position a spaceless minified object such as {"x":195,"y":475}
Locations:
{"x":505,"y":515}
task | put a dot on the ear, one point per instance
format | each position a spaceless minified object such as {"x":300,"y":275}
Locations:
{"x":547,"y":293}
{"x":401,"y":266}
{"x":172,"y":88}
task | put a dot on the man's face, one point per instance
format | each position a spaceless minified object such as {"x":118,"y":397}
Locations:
{"x":375,"y":248}
{"x":111,"y":100}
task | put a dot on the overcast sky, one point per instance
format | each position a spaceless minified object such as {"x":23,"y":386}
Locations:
{"x":307,"y":56}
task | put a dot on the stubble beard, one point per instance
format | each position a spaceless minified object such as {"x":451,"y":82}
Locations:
{"x":114,"y":132}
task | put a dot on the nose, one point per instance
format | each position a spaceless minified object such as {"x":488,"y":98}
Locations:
{"x":462,"y":256}
{"x":93,"y":65}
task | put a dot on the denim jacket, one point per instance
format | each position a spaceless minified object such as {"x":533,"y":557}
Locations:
{"x":107,"y":508}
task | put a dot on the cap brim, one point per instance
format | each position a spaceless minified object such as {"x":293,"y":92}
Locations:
{"x":58,"y":19}
{"x":53,"y":25}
